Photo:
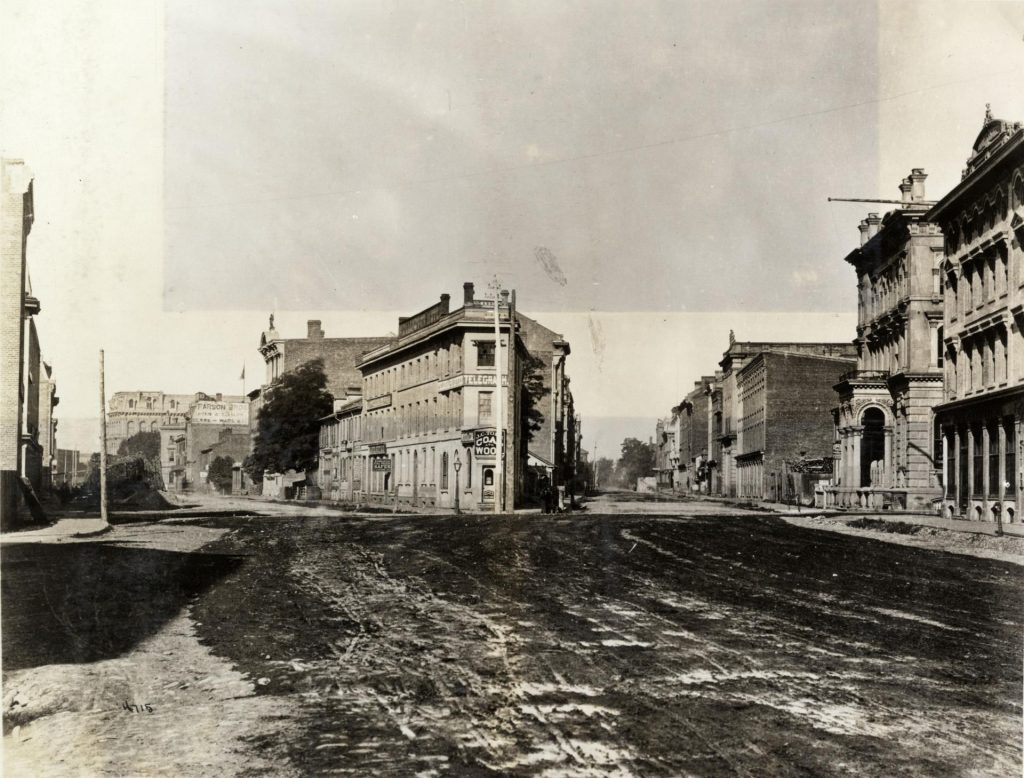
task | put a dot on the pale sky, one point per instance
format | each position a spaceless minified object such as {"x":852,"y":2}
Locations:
{"x":654,"y":173}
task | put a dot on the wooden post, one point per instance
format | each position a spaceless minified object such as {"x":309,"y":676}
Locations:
{"x":103,"y":445}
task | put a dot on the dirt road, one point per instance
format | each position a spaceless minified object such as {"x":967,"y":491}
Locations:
{"x":618,"y":645}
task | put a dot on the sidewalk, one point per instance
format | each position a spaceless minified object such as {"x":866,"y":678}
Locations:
{"x":921,"y":519}
{"x":64,"y":529}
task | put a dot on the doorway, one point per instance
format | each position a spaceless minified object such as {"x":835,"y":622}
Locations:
{"x":872,"y":444}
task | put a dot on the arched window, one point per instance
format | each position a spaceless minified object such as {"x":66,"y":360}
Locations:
{"x":131,"y":428}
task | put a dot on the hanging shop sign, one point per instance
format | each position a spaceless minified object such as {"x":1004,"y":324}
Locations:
{"x":380,"y":463}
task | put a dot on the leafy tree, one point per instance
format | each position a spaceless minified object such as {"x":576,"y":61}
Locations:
{"x":603,"y":469}
{"x":288,"y":424}
{"x":219,"y":473}
{"x":532,"y":391}
{"x":637,"y":460}
{"x":144,"y":444}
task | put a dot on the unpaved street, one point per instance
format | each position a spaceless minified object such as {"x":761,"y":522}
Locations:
{"x":681,"y":642}
{"x":619,"y":645}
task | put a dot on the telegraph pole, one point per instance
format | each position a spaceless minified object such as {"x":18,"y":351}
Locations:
{"x":499,"y":457}
{"x":103,"y":445}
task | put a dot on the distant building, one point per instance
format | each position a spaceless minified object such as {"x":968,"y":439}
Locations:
{"x":978,"y":424}
{"x":48,"y":400}
{"x":884,"y":421}
{"x":666,"y":451}
{"x":131,"y":412}
{"x":212,"y":425}
{"x":728,"y":418}
{"x":232,"y":443}
{"x":692,"y":422}
{"x":785,"y":402}
{"x":69,"y":468}
{"x":342,"y":451}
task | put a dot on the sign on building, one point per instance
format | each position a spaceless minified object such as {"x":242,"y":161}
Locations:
{"x":485,"y":443}
{"x":380,"y":463}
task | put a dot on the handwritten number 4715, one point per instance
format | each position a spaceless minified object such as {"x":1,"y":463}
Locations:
{"x":145,"y":708}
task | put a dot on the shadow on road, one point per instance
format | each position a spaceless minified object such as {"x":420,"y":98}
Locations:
{"x":84,"y":602}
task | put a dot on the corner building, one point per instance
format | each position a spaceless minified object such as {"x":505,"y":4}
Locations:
{"x":978,"y":423}
{"x":431,"y":400}
{"x":884,"y":420}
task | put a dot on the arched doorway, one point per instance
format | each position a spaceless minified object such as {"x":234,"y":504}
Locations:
{"x":872,"y":443}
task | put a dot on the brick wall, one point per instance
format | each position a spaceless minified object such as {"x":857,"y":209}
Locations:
{"x":800,"y":398}
{"x":340,"y":356}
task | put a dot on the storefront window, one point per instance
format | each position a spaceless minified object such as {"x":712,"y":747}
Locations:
{"x":1010,"y":475}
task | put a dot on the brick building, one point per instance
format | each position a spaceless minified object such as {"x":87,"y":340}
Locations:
{"x":234,"y":443}
{"x":785,"y":403}
{"x":27,"y":396}
{"x":726,"y":410}
{"x":210,"y":424}
{"x":978,"y":424}
{"x":340,"y":356}
{"x":884,"y":419}
{"x":692,"y":420}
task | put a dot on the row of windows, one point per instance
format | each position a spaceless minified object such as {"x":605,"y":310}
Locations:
{"x":405,"y":467}
{"x":983,"y":363}
{"x":982,"y":280}
{"x":443,"y":361}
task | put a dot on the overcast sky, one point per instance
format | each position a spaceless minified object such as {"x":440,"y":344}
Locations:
{"x":201,"y":164}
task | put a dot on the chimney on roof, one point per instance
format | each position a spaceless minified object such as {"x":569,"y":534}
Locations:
{"x":863,"y":227}
{"x":219,"y":396}
{"x":905,"y":187}
{"x":467,"y":292}
{"x":445,"y":298}
{"x":917,"y":177}
{"x":504,"y":296}
{"x":873,"y":225}
{"x":313,"y":330}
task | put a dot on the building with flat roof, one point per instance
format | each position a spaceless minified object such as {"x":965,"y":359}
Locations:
{"x":884,"y":418}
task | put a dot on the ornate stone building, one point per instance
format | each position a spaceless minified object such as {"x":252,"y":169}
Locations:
{"x":980,"y":416}
{"x":884,"y":422}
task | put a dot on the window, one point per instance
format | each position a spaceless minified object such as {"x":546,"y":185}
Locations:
{"x":485,"y":353}
{"x":484,"y":413}
{"x":950,"y":466}
{"x":938,"y":347}
{"x":993,"y":461}
{"x":1010,"y":475}
{"x":444,"y":470}
{"x":979,"y":463}
{"x":469,"y":468}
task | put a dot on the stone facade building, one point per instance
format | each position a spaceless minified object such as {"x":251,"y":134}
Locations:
{"x":431,"y":400}
{"x":131,"y":412}
{"x":978,"y":425}
{"x":884,"y":421}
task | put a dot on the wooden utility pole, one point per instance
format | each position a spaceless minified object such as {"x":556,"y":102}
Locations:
{"x":499,"y":471}
{"x":103,"y":445}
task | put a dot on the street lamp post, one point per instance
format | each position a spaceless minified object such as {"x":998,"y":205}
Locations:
{"x":458,"y":466}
